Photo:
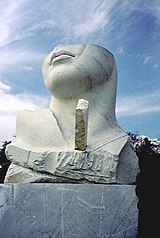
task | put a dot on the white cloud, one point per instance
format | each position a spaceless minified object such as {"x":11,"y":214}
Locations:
{"x":10,"y":20}
{"x":138,"y":105}
{"x":11,"y":104}
{"x":153,"y":7}
{"x":96,"y":18}
{"x":78,"y":20}
{"x":91,"y":25}
{"x":7,"y":127}
{"x":4,"y":87}
{"x":151,"y":61}
{"x":43,"y":25}
{"x":156,"y":66}
{"x":20,"y":19}
{"x":67,"y":21}
{"x":148,"y":59}
{"x":19,"y":58}
{"x":120,"y":50}
{"x":26,"y":68}
{"x":75,"y":19}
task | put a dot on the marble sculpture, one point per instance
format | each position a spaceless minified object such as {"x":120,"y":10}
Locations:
{"x":77,"y":139}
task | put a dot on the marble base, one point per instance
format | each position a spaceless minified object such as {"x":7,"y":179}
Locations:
{"x":72,"y":166}
{"x":68,"y":211}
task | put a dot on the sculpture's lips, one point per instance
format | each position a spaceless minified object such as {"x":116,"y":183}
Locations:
{"x":59,"y":53}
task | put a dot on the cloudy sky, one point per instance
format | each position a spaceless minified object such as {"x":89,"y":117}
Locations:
{"x":29,"y":29}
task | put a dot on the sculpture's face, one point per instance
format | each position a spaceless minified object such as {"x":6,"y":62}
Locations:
{"x":70,"y":70}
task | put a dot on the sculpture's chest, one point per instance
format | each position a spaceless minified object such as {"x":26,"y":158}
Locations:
{"x":40,"y":129}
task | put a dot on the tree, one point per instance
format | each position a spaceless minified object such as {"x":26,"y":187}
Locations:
{"x":4,"y":162}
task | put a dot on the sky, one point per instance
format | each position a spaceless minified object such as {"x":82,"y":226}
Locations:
{"x":30,"y":29}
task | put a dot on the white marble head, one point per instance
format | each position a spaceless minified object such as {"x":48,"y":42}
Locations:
{"x":72,"y":70}
{"x":46,"y":139}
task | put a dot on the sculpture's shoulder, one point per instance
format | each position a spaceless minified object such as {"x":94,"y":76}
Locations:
{"x":28,"y":116}
{"x":38,"y":128}
{"x":29,"y":121}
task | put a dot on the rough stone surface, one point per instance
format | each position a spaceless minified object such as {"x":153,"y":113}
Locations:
{"x":68,"y":211}
{"x":75,"y":166}
{"x":81,"y":125}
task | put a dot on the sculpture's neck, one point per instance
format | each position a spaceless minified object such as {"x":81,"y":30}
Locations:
{"x":101,"y":119}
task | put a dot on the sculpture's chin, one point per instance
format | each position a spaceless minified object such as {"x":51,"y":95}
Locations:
{"x":66,"y":85}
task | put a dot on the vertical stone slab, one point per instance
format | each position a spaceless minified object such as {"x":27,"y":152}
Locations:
{"x":68,"y":211}
{"x":81,"y":124}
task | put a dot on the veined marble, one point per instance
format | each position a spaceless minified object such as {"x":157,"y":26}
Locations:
{"x":73,"y":72}
{"x":68,"y":211}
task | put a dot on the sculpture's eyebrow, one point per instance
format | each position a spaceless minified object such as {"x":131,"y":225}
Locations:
{"x":61,"y":52}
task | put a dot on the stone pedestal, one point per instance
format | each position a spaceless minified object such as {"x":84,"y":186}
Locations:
{"x":68,"y":211}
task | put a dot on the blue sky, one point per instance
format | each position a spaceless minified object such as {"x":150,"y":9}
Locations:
{"x":29,"y":29}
